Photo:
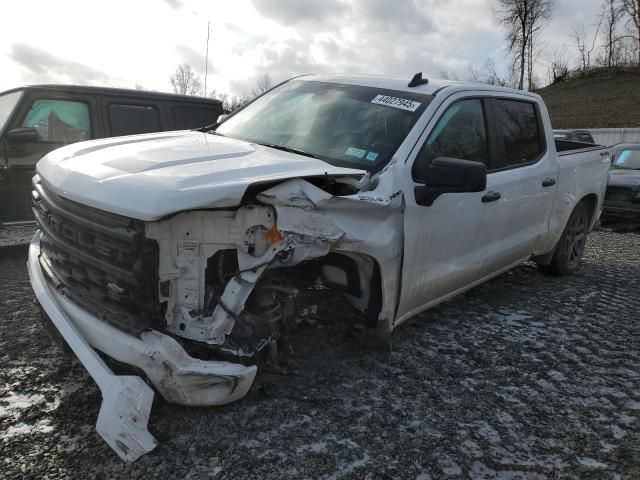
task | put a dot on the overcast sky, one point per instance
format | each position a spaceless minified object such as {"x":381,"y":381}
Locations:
{"x":124,"y":43}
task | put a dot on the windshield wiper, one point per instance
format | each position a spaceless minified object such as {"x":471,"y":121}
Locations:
{"x":284,"y":148}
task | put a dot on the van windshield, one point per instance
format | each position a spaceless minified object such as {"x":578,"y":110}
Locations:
{"x":344,"y":125}
{"x":8,"y":102}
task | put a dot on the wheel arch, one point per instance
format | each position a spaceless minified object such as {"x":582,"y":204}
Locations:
{"x":591,"y":202}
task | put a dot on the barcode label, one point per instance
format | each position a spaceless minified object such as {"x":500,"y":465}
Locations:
{"x":396,"y":102}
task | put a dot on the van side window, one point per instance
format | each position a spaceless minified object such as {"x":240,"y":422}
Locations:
{"x":518,"y":124}
{"x":185,"y":118}
{"x":59,"y":121}
{"x":460,"y":133}
{"x":133,"y":119}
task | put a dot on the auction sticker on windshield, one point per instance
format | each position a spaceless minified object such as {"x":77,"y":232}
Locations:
{"x":396,"y":102}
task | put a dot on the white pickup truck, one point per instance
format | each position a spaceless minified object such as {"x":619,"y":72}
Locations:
{"x":181,"y":253}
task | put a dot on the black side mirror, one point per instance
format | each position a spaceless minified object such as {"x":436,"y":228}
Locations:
{"x":451,"y":175}
{"x":23,"y":135}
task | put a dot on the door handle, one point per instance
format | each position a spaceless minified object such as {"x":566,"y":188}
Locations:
{"x":548,"y":182}
{"x":491,"y":197}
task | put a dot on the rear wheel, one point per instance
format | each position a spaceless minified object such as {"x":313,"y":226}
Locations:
{"x":568,"y":253}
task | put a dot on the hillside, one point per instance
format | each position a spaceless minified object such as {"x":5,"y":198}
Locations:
{"x":600,"y":98}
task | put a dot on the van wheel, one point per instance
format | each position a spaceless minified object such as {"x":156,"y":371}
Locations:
{"x":568,"y":253}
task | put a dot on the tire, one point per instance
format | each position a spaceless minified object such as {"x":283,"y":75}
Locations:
{"x":569,"y":249}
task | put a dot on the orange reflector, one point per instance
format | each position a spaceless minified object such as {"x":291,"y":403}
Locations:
{"x":272,"y":235}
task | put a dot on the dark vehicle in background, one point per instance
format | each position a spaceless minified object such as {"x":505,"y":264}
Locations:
{"x":35,"y":120}
{"x":622,"y":200}
{"x":578,"y":136}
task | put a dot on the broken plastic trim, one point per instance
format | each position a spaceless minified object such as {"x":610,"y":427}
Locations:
{"x":127,"y":400}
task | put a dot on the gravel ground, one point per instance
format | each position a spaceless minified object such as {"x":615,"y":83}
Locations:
{"x":19,"y":235}
{"x":525,"y":377}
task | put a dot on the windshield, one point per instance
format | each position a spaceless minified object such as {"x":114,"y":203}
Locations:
{"x":627,"y":159}
{"x":7,"y":102}
{"x":345,"y":125}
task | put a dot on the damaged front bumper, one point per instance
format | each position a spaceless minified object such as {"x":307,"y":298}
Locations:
{"x":179,"y":378}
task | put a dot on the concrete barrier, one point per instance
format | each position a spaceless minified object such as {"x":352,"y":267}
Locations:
{"x":613,"y":136}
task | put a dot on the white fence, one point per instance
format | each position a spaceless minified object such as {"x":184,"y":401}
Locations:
{"x":612,"y":136}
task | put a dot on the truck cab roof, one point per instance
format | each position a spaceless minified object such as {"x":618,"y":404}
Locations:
{"x":126,"y":92}
{"x":432,"y":87}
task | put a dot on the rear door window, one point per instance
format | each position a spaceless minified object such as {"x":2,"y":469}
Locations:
{"x":59,"y":121}
{"x":187,"y":117}
{"x":520,"y":130}
{"x":128,"y":119}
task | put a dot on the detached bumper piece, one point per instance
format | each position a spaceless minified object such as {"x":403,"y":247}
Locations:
{"x":127,"y":400}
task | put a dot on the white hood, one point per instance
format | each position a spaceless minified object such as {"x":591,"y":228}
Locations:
{"x":150,"y":176}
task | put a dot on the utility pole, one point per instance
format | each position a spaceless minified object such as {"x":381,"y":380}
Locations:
{"x":206,"y":63}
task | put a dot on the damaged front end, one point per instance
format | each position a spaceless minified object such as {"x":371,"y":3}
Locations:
{"x":229,"y":279}
{"x":194,"y":300}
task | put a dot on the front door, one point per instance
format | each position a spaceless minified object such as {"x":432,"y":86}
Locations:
{"x":443,"y":245}
{"x":54,"y":122}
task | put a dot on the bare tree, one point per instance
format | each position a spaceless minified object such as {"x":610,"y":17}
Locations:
{"x":611,"y":13}
{"x":185,"y":81}
{"x":586,"y":48}
{"x":492,"y":75}
{"x":632,"y":9}
{"x":489,"y":74}
{"x":139,"y":86}
{"x":236,"y":102}
{"x":445,"y":75}
{"x":522,"y":20}
{"x":262,"y":85}
{"x":558,"y":68}
{"x":229,"y":103}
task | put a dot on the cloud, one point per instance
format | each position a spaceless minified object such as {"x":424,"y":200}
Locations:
{"x":195,"y":59}
{"x":405,"y":16}
{"x":249,"y":38}
{"x":399,"y":37}
{"x":40,"y":65}
{"x":294,"y":12}
{"x":175,"y":4}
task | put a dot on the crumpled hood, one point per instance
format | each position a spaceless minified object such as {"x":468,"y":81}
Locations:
{"x":625,"y":178}
{"x":150,"y":176}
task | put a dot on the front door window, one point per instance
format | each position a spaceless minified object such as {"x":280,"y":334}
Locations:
{"x":59,"y":121}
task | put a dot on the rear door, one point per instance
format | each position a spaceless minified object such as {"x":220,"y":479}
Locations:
{"x":523,"y":176}
{"x":56,"y":119}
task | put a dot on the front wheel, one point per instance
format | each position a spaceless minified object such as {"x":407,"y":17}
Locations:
{"x":568,"y":253}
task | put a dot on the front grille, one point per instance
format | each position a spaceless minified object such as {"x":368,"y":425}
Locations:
{"x":99,"y":260}
{"x":619,"y":194}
